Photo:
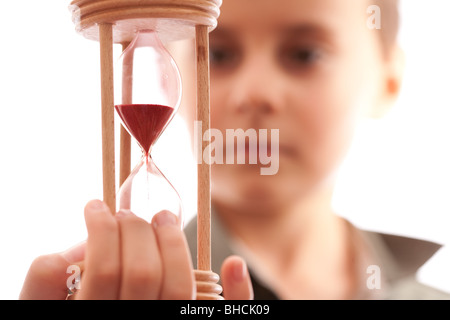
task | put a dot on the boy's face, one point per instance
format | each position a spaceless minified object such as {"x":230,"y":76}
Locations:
{"x":307,"y":68}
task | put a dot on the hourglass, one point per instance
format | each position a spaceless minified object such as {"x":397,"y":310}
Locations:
{"x":134,"y":24}
{"x":150,"y":81}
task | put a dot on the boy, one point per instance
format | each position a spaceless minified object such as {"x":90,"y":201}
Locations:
{"x":310,"y":69}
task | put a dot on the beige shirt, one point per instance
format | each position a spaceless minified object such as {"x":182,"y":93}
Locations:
{"x":388,"y":263}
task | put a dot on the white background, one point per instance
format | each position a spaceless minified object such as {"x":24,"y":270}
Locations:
{"x":50,"y":142}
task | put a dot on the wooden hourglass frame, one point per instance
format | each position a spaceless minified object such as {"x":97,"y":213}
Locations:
{"x":116,"y":22}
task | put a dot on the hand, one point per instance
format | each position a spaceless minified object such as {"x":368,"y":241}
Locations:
{"x":115,"y":244}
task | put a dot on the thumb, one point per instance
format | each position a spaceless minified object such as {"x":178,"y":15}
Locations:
{"x":48,"y":275}
{"x":236,"y":279}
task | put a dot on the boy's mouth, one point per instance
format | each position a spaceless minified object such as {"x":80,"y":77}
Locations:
{"x":259,"y":148}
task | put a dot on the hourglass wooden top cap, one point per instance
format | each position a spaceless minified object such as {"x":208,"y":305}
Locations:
{"x":172,"y":19}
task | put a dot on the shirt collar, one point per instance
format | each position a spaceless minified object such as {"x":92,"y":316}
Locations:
{"x":396,"y":256}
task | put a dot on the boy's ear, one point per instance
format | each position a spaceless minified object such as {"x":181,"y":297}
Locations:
{"x":392,"y":79}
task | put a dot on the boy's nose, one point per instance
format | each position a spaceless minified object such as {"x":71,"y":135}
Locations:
{"x":257,"y":87}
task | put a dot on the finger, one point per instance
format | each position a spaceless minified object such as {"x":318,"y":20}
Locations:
{"x":76,"y":253}
{"x":48,"y":277}
{"x":101,"y":279}
{"x":141,"y":263}
{"x":178,"y":277}
{"x":236,"y":279}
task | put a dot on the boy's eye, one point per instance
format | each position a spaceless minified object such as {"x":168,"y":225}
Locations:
{"x":222,"y":57}
{"x":304,"y":55}
{"x":299,"y":57}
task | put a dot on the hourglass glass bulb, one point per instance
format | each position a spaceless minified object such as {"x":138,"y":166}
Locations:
{"x":148,"y":76}
{"x":149,"y":87}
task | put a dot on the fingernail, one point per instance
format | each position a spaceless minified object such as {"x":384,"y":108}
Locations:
{"x":123,"y":213}
{"x":164,"y":218}
{"x":239,"y":271}
{"x":75,"y":253}
{"x":96,"y":205}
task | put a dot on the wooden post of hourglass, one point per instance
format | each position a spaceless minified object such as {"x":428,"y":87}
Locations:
{"x":116,"y":21}
{"x":107,"y":93}
{"x":206,"y":280}
{"x":125,"y":138}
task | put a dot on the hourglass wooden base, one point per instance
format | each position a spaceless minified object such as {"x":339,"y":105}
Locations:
{"x":207,"y":287}
{"x":117,"y":21}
